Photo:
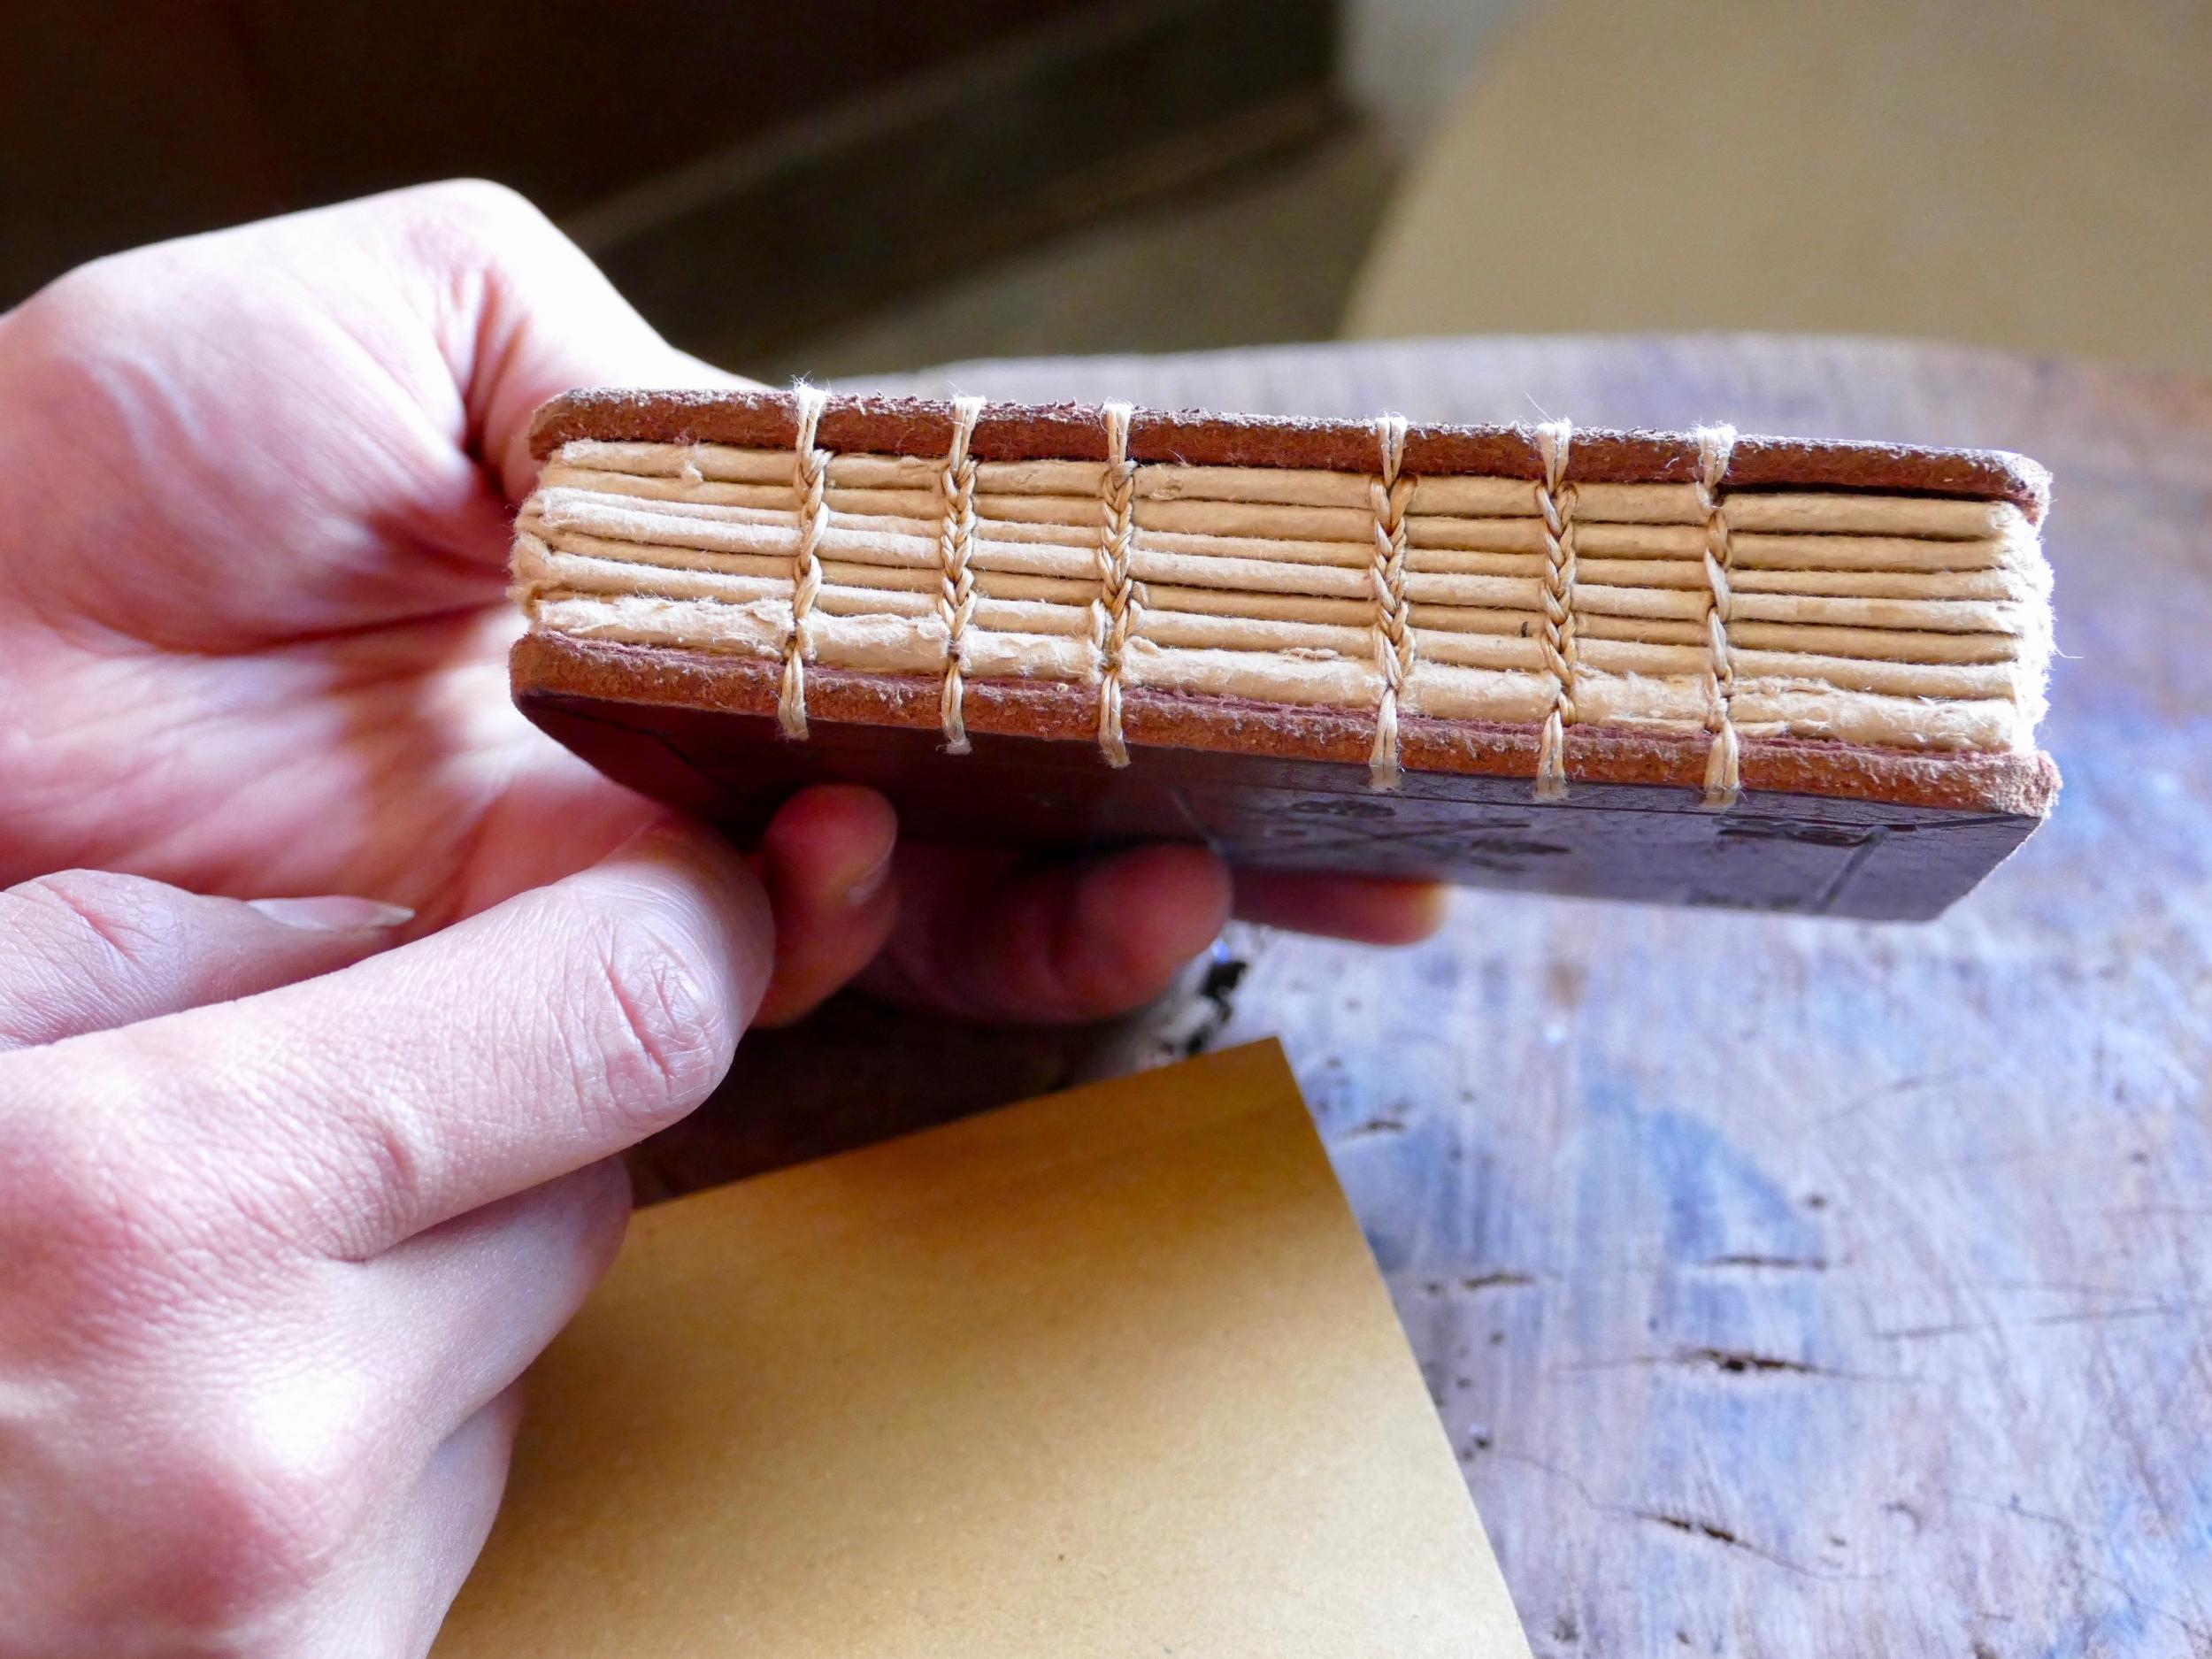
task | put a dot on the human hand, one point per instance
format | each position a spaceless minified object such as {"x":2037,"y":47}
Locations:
{"x":273,"y":1248}
{"x":254,"y":625}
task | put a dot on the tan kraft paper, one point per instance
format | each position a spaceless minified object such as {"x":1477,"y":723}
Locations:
{"x":1108,"y":1373}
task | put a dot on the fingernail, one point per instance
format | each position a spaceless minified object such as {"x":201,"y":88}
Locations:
{"x":870,"y":881}
{"x":333,"y":912}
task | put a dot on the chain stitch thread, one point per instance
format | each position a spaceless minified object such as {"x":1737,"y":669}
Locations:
{"x":1114,"y":613}
{"x":1387,"y":494}
{"x":956,"y":586}
{"x":809,"y":473}
{"x":1724,"y":759}
{"x":1555,"y":501}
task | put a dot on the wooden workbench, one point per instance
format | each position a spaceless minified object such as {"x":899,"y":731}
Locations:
{"x":1788,"y":1288}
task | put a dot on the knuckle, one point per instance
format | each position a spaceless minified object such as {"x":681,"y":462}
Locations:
{"x":125,"y":920}
{"x":468,"y":237}
{"x":74,"y":1208}
{"x":64,"y":344}
{"x":102,"y":1221}
{"x":74,"y":333}
{"x":95,"y":1237}
{"x":472,"y":215}
{"x":95,"y":355}
{"x":659,"y":1038}
{"x":1094,"y":978}
{"x":360,"y":1188}
{"x":58,"y":313}
{"x":481,"y":200}
{"x":263,"y":1511}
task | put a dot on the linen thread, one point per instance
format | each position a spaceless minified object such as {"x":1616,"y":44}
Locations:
{"x":1114,"y":613}
{"x":1387,"y":494}
{"x":1555,"y":501}
{"x":809,"y":473}
{"x":1724,"y":759}
{"x":955,"y":587}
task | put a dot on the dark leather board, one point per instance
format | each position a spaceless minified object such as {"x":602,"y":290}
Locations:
{"x":1268,"y":788}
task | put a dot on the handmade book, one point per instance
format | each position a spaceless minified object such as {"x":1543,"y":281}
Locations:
{"x":1698,"y":667}
{"x":1110,"y":1374}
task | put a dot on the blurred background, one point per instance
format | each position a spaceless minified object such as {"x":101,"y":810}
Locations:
{"x":854,"y":186}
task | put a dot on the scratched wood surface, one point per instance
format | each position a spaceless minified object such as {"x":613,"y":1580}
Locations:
{"x":1788,"y":1288}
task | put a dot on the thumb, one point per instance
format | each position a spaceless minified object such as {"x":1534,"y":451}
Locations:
{"x":522,"y":312}
{"x":87,"y":950}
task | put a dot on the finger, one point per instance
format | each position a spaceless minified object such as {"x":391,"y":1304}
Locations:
{"x":458,"y":1500}
{"x":826,"y":860}
{"x":399,"y":1579}
{"x":545,"y":1034}
{"x":86,"y":950}
{"x":986,"y":936}
{"x":1366,"y":909}
{"x":454,"y":1315}
{"x":521,"y":314}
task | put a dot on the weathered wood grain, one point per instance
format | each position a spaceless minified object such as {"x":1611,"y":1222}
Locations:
{"x":1789,"y":1288}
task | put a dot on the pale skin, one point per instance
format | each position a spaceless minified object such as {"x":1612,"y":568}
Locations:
{"x":291,"y":1192}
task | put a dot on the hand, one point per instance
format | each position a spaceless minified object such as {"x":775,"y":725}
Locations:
{"x":253,"y":633}
{"x":282,"y":1218}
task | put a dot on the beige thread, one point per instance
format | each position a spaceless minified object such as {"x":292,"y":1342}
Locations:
{"x":1555,"y":501}
{"x":1387,"y":495}
{"x":809,"y":471}
{"x":956,"y":590}
{"x":1723,"y":761}
{"x":1114,"y":613}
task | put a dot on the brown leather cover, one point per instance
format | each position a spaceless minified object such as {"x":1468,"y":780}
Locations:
{"x":1076,"y":431}
{"x":1822,"y":827}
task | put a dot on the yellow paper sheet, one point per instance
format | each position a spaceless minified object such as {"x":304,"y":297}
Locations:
{"x":1106,"y":1374}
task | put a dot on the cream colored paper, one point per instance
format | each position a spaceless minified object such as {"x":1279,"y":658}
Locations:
{"x":1108,"y":1373}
